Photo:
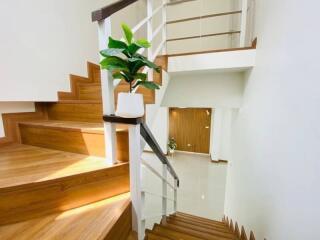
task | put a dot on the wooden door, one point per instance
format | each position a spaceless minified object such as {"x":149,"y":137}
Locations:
{"x":190,"y":127}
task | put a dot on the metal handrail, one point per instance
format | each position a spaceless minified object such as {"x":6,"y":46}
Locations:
{"x":153,"y":144}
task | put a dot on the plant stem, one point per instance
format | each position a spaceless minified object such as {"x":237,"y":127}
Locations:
{"x":130,"y":87}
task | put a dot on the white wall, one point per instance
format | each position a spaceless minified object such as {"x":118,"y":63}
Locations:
{"x":157,"y":116}
{"x":43,"y":41}
{"x":273,"y":177}
{"x":220,"y":141}
{"x":13,"y":107}
{"x":205,"y":89}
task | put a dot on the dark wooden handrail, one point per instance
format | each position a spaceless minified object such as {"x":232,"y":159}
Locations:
{"x":147,"y":136}
{"x":179,"y":2}
{"x":202,"y":36}
{"x":107,"y":11}
{"x":153,"y":144}
{"x":205,"y":16}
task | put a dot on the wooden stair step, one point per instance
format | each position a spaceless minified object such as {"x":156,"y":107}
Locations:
{"x":198,"y":219}
{"x":172,"y":234}
{"x":132,"y":236}
{"x":90,"y":91}
{"x":201,"y":228}
{"x":93,"y":221}
{"x":221,"y":228}
{"x":75,"y":110}
{"x":77,"y":137}
{"x":197,"y":233}
{"x":37,"y":181}
{"x":153,"y":236}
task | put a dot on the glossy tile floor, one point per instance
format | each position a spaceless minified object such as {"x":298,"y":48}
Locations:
{"x":202,"y":186}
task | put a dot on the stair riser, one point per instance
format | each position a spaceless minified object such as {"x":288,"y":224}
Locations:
{"x":29,"y":201}
{"x":173,"y":234}
{"x":72,"y":140}
{"x":90,"y":92}
{"x":81,"y":112}
{"x":122,"y":228}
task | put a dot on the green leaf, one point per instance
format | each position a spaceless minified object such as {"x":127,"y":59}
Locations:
{"x":116,"y":44}
{"x":111,"y":52}
{"x":149,"y":85}
{"x":135,"y":66}
{"x":145,"y":61}
{"x":143,"y":43}
{"x":141,"y":76}
{"x":117,"y":75}
{"x":133,"y":48}
{"x":112,"y":63}
{"x":128,"y":33}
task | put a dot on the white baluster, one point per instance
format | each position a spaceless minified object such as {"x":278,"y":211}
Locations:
{"x":243,"y":28}
{"x":135,"y":180}
{"x":175,"y":204}
{"x":164,"y":189}
{"x":149,"y":34}
{"x":164,"y":29}
{"x":107,"y":88}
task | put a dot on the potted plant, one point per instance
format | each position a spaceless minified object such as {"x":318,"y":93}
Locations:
{"x":124,"y":61}
{"x":172,"y":145}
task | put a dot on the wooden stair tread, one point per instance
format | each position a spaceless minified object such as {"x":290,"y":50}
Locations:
{"x":89,"y":127}
{"x":199,"y":219}
{"x":24,"y":164}
{"x":172,"y":234}
{"x":78,"y":101}
{"x":200,"y":234}
{"x":92,"y":221}
{"x":153,"y":236}
{"x":198,"y":224}
{"x":183,"y":226}
{"x":202,"y":228}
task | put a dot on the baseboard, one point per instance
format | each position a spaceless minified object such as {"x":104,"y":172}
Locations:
{"x":193,"y":153}
{"x":219,"y":161}
{"x":11,"y":121}
{"x":234,"y":227}
{"x":150,"y":151}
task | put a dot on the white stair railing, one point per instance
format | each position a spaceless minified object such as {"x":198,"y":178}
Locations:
{"x":138,"y":194}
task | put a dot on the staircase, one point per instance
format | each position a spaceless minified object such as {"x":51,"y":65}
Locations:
{"x":188,"y":227}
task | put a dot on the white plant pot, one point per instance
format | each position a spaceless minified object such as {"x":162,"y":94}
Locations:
{"x":171,"y":151}
{"x":130,"y":105}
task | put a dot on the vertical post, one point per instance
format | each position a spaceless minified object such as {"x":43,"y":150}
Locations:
{"x":164,"y":190}
{"x":107,"y":88}
{"x":149,"y":34}
{"x":175,"y":204}
{"x":135,"y":180}
{"x":164,"y":29}
{"x":243,"y":28}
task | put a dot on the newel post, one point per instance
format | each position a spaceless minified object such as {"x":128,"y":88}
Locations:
{"x":137,"y":196}
{"x":107,"y":88}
